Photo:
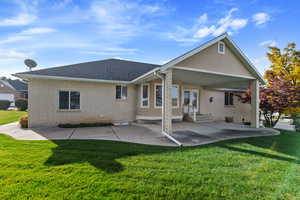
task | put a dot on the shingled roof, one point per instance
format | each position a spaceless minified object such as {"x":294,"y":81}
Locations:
{"x":110,"y":69}
{"x":18,"y":85}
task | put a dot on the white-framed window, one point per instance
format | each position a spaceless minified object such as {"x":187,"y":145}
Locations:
{"x":145,"y":91}
{"x":221,"y":47}
{"x":69,"y":100}
{"x":175,"y":96}
{"x":228,"y":99}
{"x":121,"y":92}
{"x":158,"y":95}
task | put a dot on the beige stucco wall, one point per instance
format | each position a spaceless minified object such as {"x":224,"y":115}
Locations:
{"x":97,"y":100}
{"x":209,"y":59}
{"x":219,"y":111}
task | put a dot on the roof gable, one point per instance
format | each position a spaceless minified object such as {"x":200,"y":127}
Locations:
{"x":229,"y":43}
{"x":210,"y":60}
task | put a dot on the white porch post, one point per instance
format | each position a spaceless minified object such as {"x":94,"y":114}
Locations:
{"x":255,"y":104}
{"x":167,"y":102}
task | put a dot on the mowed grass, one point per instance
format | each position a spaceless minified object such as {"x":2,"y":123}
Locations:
{"x":254,"y":168}
{"x":10,"y":116}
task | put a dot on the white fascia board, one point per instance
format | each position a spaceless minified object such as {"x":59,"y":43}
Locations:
{"x":212,"y":72}
{"x":31,"y":76}
{"x":192,"y":52}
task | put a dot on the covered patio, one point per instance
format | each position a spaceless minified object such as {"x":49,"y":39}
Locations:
{"x":207,"y":80}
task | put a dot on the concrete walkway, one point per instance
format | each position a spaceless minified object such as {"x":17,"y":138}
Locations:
{"x":133,"y":133}
{"x":189,"y":134}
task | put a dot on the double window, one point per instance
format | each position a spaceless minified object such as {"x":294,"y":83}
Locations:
{"x":228,"y":99}
{"x":145,"y":95}
{"x":121,"y":92}
{"x":158,"y":95}
{"x":69,"y":100}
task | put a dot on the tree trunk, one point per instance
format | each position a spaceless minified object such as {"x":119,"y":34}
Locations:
{"x":274,"y":123}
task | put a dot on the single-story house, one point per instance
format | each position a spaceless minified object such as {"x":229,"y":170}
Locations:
{"x":12,"y":90}
{"x":201,"y":82}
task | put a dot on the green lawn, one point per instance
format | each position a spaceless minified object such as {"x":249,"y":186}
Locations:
{"x":254,"y":168}
{"x":10,"y":116}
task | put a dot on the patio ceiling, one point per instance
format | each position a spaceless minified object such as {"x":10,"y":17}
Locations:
{"x":210,"y":79}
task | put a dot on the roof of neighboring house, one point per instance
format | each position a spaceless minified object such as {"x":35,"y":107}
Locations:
{"x":110,"y":69}
{"x":18,"y":84}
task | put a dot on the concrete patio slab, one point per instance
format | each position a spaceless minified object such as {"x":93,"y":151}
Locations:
{"x":187,"y":133}
{"x":191,"y":134}
{"x":94,"y":133}
{"x":144,"y":136}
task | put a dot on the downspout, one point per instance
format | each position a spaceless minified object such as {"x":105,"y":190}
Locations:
{"x":163,"y":110}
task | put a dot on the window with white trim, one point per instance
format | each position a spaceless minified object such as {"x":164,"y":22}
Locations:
{"x":228,"y":99}
{"x":69,"y":100}
{"x":175,"y":95}
{"x":158,"y":95}
{"x":221,"y":47}
{"x":121,"y":92}
{"x":145,"y":95}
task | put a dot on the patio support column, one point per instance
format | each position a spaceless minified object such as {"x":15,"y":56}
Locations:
{"x":255,"y":104}
{"x":167,"y":101}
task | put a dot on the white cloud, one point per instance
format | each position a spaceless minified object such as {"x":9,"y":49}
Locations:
{"x":112,"y":51}
{"x":268,"y":43}
{"x":14,"y":38}
{"x":261,"y":18}
{"x":203,"y":19}
{"x":200,"y":30}
{"x":37,"y":30}
{"x":19,"y":20}
{"x":205,"y":31}
{"x":27,"y":34}
{"x":62,"y":3}
{"x":122,"y":20}
{"x":7,"y":53}
{"x":228,"y":23}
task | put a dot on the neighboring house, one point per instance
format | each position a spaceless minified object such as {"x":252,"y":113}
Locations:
{"x":200,"y":82}
{"x":13,"y":90}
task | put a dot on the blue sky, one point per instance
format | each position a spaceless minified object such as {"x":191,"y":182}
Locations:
{"x":59,"y":32}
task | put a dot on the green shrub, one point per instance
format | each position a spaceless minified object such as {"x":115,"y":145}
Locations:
{"x":4,"y":104}
{"x":24,"y":122}
{"x":81,"y":125}
{"x":296,"y":121}
{"x":21,"y":104}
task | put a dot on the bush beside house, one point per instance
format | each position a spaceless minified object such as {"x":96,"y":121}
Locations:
{"x":21,"y":104}
{"x":4,"y":104}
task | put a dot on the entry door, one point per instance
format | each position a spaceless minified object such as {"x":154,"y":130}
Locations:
{"x":190,"y":100}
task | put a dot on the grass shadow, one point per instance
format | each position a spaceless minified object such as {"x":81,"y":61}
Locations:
{"x":100,"y":154}
{"x":287,"y":143}
{"x":104,"y":155}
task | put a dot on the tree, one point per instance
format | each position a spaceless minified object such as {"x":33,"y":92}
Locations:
{"x":276,"y":97}
{"x":285,"y":65}
{"x":281,"y":94}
